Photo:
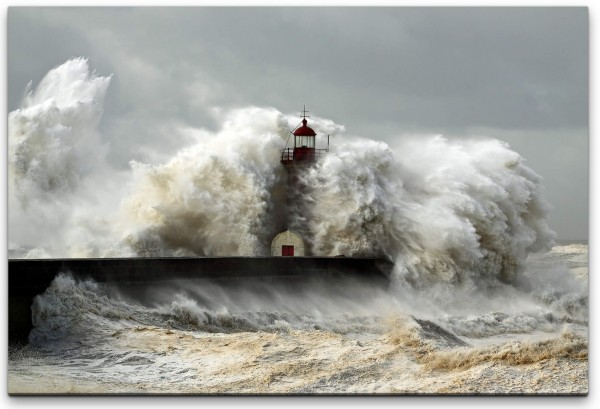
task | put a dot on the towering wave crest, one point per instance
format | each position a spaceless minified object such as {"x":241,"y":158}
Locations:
{"x":443,"y":210}
{"x":53,"y":141}
{"x":446,"y":210}
{"x":55,"y":159}
{"x":215,"y":198}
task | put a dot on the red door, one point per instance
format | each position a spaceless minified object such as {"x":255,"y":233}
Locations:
{"x":287,"y":251}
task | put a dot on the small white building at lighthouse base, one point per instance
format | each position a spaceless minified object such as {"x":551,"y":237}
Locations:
{"x":287,"y":244}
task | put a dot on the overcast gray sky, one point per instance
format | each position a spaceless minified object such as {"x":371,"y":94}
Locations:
{"x":517,"y":74}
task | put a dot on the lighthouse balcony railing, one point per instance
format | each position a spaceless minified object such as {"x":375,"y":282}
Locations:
{"x":291,"y":154}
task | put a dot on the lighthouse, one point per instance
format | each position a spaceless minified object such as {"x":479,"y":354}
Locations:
{"x":296,"y":159}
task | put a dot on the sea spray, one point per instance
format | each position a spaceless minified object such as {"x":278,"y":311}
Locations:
{"x":445,"y":210}
{"x":461,"y":217}
{"x":56,"y":160}
{"x":216,"y":198}
{"x":72,"y":309}
{"x":53,"y":140}
{"x":442,"y":209}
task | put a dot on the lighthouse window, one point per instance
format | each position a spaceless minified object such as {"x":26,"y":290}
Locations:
{"x":305,"y":141}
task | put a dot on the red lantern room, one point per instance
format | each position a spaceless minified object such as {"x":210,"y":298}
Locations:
{"x":304,"y":145}
{"x":304,"y":142}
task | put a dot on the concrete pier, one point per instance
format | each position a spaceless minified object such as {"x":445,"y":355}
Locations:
{"x":28,"y":278}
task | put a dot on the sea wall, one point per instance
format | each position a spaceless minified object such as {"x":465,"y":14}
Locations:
{"x":28,"y":278}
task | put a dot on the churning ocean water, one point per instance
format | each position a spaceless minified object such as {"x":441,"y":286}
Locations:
{"x":482,"y":300}
{"x":190,"y":340}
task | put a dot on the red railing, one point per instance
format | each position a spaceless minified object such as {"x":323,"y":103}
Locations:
{"x":289,"y":154}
